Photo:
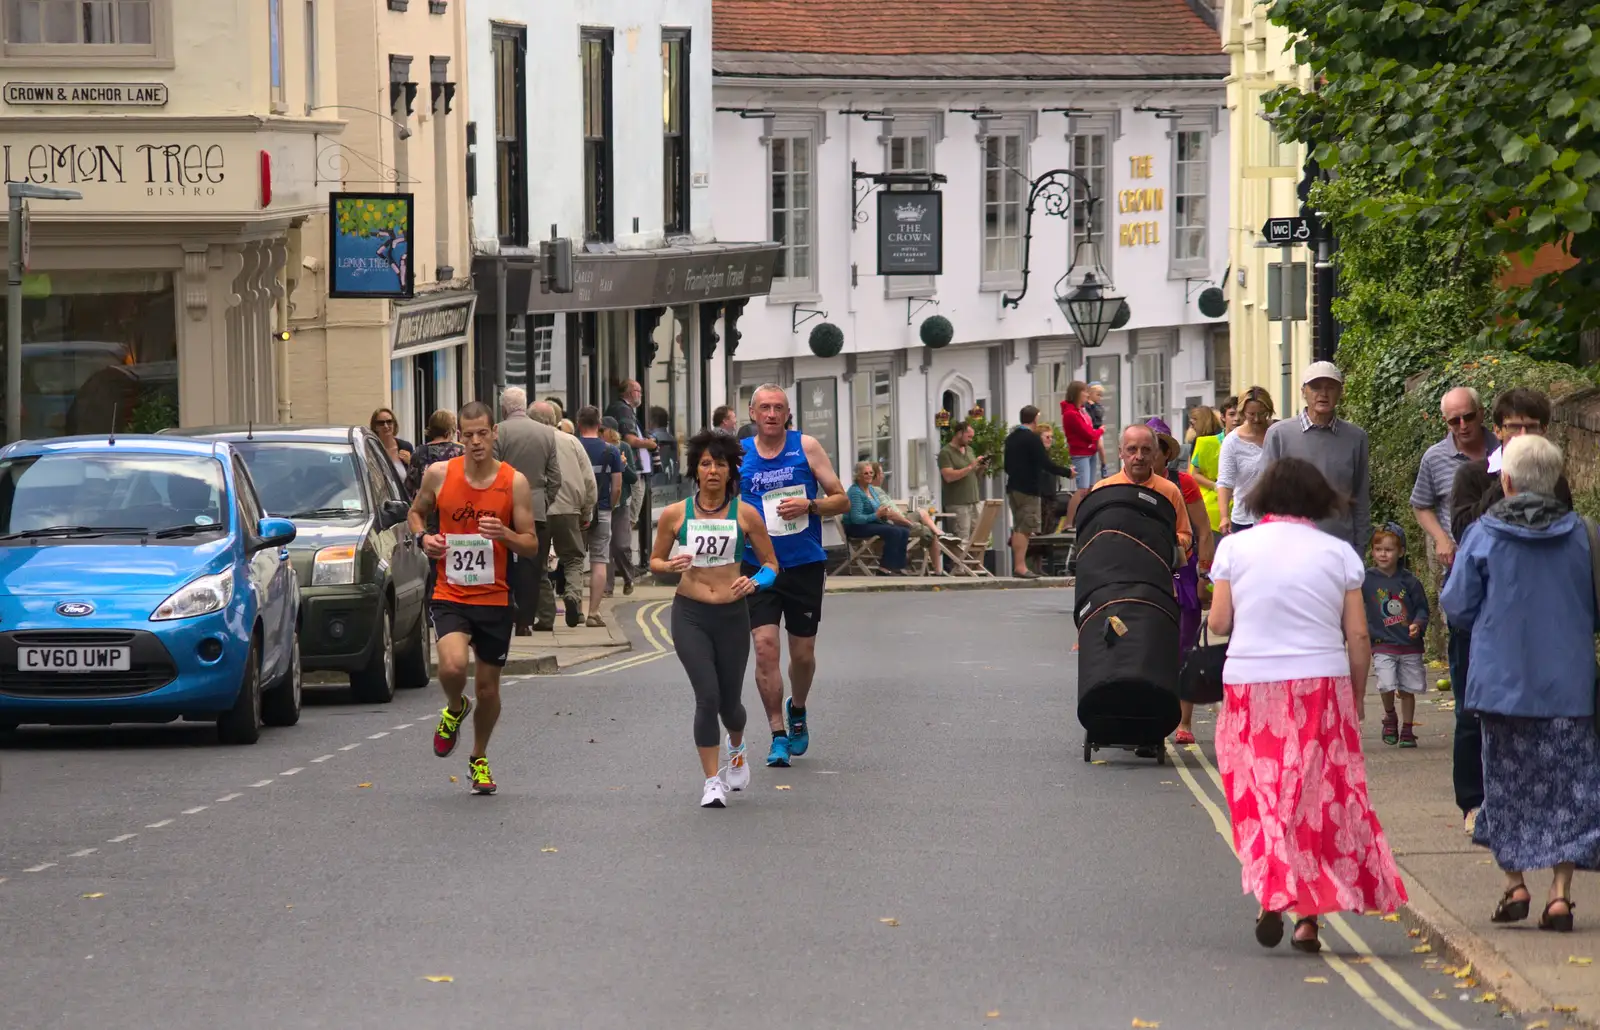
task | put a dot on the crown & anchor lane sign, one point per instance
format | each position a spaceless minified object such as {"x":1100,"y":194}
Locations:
{"x":910,"y":232}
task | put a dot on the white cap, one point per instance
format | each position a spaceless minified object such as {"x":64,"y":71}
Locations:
{"x":1321,"y":370}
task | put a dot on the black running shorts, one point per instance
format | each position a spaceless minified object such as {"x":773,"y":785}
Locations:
{"x":795,"y":599}
{"x":487,"y":625}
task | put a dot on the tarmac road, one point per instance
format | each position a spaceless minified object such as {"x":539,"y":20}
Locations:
{"x":941,"y":858}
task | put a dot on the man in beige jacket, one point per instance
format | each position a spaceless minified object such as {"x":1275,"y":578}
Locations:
{"x":569,"y":514}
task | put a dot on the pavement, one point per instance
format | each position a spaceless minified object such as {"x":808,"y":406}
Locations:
{"x":942,"y":857}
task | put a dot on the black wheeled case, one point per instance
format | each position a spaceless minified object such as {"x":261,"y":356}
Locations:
{"x":1125,"y":534}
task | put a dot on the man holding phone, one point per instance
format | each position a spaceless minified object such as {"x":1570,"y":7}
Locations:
{"x":962,"y":470}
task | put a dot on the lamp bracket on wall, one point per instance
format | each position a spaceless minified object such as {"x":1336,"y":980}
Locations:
{"x":1054,"y":188}
{"x":865,"y":184}
{"x":795,"y":321}
{"x":920,"y":302}
{"x":335,"y":161}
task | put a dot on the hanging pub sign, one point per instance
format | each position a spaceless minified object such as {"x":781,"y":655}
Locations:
{"x":910,"y":232}
{"x":370,"y":245}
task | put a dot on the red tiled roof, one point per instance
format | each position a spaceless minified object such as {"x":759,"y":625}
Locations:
{"x":962,"y":26}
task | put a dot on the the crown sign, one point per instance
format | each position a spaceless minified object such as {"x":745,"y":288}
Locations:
{"x":910,"y":212}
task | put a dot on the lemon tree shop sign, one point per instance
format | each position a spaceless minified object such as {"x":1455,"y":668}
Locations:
{"x":115,"y":94}
{"x":910,"y":232}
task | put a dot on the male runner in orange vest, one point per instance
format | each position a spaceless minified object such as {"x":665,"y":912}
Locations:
{"x":485,"y":512}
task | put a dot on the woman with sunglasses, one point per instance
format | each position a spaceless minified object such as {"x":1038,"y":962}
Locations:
{"x":384,"y":427}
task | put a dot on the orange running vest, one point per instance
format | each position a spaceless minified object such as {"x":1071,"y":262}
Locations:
{"x":460,"y":506}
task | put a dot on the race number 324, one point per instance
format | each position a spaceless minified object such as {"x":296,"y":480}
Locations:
{"x":468,"y":560}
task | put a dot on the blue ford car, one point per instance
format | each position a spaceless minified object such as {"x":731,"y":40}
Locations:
{"x":140,"y":581}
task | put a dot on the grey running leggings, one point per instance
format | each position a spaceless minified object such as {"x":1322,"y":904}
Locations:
{"x":713,"y":643}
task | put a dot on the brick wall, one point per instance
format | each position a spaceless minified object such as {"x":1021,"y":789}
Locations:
{"x":1575,"y":425}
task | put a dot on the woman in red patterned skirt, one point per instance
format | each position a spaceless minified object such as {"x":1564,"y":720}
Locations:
{"x":1289,"y":741}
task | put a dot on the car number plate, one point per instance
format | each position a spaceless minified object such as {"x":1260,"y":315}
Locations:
{"x":74,"y":659}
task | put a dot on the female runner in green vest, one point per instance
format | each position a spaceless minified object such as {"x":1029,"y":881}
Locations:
{"x":702,"y":540}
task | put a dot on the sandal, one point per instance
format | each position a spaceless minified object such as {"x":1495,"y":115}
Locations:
{"x":1183,"y":737}
{"x":1512,"y":909}
{"x":1391,"y":729}
{"x":1269,"y":929}
{"x":1558,"y":922}
{"x":1310,"y":945}
{"x":1408,"y":736}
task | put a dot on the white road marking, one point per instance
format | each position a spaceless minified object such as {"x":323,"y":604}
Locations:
{"x":119,"y":840}
{"x":291,"y":772}
{"x":196,"y":810}
{"x":351,"y":747}
{"x":405,"y":726}
{"x":228,"y":797}
{"x":157,"y":826}
{"x":377,"y":736}
{"x":41,"y":867}
{"x":262,"y":783}
{"x":324,"y":758}
{"x":83,"y":853}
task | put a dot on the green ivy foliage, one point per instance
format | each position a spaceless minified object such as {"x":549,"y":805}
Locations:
{"x":1486,"y":114}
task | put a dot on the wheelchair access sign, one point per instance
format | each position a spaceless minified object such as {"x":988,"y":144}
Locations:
{"x":1286,"y":232}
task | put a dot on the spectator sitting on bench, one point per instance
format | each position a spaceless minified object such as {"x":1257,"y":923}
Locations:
{"x":871,"y":515}
{"x":922,"y":528}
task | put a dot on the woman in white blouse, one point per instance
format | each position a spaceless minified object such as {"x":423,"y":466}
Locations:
{"x":1241,"y":460}
{"x":1288,"y":596}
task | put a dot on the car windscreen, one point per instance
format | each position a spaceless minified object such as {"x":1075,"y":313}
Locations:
{"x":303,"y":480}
{"x":77,"y":494}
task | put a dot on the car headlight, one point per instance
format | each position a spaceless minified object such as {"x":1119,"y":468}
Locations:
{"x":201,"y":597}
{"x":334,"y":566}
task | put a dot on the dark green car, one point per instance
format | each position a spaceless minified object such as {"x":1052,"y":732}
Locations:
{"x":363,"y":579}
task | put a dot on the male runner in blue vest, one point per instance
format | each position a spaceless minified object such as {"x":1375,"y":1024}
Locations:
{"x":788,"y":477}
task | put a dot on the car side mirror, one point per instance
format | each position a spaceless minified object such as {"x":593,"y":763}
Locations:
{"x":392,"y":514}
{"x":275,"y":533}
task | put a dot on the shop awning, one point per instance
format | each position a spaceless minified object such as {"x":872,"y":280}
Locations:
{"x":627,"y":279}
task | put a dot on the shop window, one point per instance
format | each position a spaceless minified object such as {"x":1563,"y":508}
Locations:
{"x":311,"y":56}
{"x":124,"y":32}
{"x":910,"y":150}
{"x":1050,"y":382}
{"x":274,"y":54}
{"x":1190,"y":189}
{"x":1005,"y":191}
{"x":1091,"y":155}
{"x":597,"y":185}
{"x":872,"y":397}
{"x":791,"y":153}
{"x":1149,"y":385}
{"x":99,"y":349}
{"x":510,"y":47}
{"x":675,"y":130}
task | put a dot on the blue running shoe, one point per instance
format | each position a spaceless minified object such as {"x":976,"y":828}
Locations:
{"x":799,"y":736}
{"x":779,"y":755}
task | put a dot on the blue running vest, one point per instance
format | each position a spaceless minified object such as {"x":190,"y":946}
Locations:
{"x":758,"y":475}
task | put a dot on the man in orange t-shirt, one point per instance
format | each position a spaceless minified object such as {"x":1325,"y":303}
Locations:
{"x":1139,"y":451}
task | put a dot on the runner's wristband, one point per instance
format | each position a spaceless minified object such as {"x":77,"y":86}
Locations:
{"x":764,"y":579}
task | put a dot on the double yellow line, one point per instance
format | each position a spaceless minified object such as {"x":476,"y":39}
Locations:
{"x":1428,"y":1013}
{"x":657,"y":639}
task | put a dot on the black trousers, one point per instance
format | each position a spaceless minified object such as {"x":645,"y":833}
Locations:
{"x":526,"y":575}
{"x":713,"y":643}
{"x":1467,"y":766}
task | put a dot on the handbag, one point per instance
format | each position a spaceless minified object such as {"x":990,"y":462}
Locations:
{"x":1200,"y":678}
{"x":1594,"y":566}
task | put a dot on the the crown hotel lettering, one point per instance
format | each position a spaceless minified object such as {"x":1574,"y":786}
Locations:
{"x":908,"y":229}
{"x":162,"y":169}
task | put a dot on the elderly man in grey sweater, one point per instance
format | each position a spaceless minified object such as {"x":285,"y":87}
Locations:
{"x":1337,"y":448}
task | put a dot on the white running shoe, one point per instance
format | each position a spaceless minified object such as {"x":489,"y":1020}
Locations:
{"x":736,"y":772}
{"x":716,"y":795}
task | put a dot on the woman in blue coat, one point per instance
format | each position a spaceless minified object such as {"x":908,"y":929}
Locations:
{"x":1523,"y":585}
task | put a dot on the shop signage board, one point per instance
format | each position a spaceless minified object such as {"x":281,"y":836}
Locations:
{"x":819,"y":413}
{"x":87,"y":94}
{"x":612,"y":282}
{"x":910,"y":232}
{"x":433,"y":324}
{"x":369,"y":238}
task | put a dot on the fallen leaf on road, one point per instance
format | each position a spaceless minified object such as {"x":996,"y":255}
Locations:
{"x":1564,"y":1008}
{"x":454,"y":780}
{"x":1413,"y":933}
{"x":96,"y":894}
{"x":1098,"y":761}
{"x":1465,"y":971}
{"x":288,"y":906}
{"x":1316,"y":979}
{"x":1439,"y":996}
{"x":616,"y":788}
{"x":363,"y":784}
{"x":889,"y":921}
{"x":547,"y":851}
{"x":783,"y":786}
{"x":1462,"y":985}
{"x":1538,"y":1024}
{"x":1422,"y":949}
{"x":1574,"y":960}
{"x":1391,"y":918}
{"x":1488,"y":996}
{"x":1360,"y":960}
{"x":992,"y":1014}
{"x":440,"y":979}
{"x":1147,"y":1026}
{"x":1373,"y":912}
{"x":1168,"y":783}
